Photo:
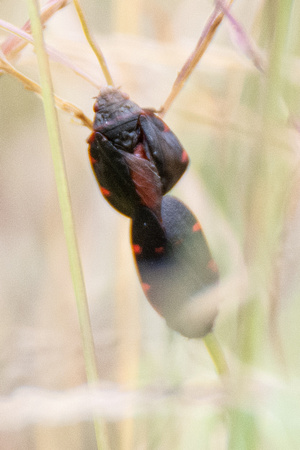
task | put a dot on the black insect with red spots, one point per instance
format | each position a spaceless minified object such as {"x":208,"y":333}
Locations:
{"x":137,"y":159}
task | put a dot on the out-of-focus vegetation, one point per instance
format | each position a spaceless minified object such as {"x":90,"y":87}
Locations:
{"x":240,"y":125}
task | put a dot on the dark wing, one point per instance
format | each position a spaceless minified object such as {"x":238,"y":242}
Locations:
{"x":113,"y":174}
{"x":127,"y":180}
{"x":168,"y":154}
{"x":174,"y":262}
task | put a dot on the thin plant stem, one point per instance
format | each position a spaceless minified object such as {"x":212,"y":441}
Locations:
{"x":13,"y":45}
{"x":66,"y":211}
{"x":215,"y":351}
{"x":10,"y":53}
{"x":31,"y":85}
{"x":208,"y":33}
{"x":96,"y":49}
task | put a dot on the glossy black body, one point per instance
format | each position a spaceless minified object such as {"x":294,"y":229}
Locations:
{"x":173,"y":261}
{"x":137,"y":160}
{"x":132,"y":147}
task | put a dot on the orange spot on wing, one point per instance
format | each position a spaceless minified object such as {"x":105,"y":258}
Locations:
{"x":92,"y":160}
{"x":197,"y":227}
{"x":184,"y":156}
{"x":145,"y":287}
{"x":159,"y":250}
{"x":137,"y":249}
{"x":105,"y":192}
{"x":212,"y":265}
{"x":92,"y":137}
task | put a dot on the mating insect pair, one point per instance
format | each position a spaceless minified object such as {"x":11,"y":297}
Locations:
{"x":137,"y":159}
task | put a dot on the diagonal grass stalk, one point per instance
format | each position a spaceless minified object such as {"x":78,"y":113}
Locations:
{"x":94,"y":46}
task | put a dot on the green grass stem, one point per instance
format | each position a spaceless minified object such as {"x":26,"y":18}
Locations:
{"x":65,"y":206}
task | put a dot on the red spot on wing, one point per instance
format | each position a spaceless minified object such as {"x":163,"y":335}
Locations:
{"x":92,"y":137}
{"x":137,"y":249}
{"x":159,"y":250}
{"x":197,"y":227}
{"x":92,"y":160}
{"x":146,"y":287}
{"x":105,"y":192}
{"x":166,"y":128}
{"x":184,"y":156}
{"x":212,"y":266}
